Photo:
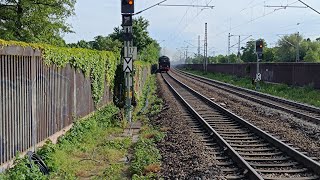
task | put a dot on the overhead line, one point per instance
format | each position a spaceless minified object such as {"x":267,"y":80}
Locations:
{"x":186,"y":5}
{"x":150,"y":7}
{"x":251,"y":20}
{"x":309,"y":6}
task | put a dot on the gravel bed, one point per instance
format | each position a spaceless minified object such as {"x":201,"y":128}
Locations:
{"x":184,"y":156}
{"x":298,"y":132}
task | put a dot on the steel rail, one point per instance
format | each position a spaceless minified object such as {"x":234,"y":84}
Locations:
{"x":294,"y":154}
{"x":251,"y":173}
{"x":310,"y":109}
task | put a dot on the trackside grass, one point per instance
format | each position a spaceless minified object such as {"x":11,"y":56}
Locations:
{"x":92,"y":149}
{"x":306,"y":94}
{"x":146,"y":162}
{"x":95,"y":147}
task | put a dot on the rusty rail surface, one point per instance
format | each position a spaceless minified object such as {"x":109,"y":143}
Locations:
{"x":36,"y":100}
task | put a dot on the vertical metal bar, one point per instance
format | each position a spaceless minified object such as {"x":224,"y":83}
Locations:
{"x":10,"y":139}
{"x":51,"y":90}
{"x":28,"y":104}
{"x":38,"y":97}
{"x":11,"y":133}
{"x":43,"y":120}
{"x":1,"y":111}
{"x":5,"y":126}
{"x":28,"y":101}
{"x":46,"y":97}
{"x":23,"y":106}
{"x":56,"y":116}
{"x":62,"y":86}
{"x":34,"y":101}
{"x":15,"y":103}
{"x":74,"y":95}
{"x":59,"y":100}
{"x":18,"y":104}
{"x":4,"y":106}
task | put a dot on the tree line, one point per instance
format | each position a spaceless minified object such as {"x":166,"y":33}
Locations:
{"x":286,"y":50}
{"x":44,"y":21}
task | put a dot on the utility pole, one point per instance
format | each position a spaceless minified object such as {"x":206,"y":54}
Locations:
{"x":298,"y":49}
{"x":296,"y":46}
{"x":239,"y":58}
{"x":186,"y":54}
{"x":199,"y":46}
{"x":229,"y":39}
{"x":206,"y":49}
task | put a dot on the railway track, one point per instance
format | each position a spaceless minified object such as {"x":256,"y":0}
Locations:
{"x":300,"y":110}
{"x":247,"y":151}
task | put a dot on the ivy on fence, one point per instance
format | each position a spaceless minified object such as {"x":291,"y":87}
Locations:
{"x":100,"y":66}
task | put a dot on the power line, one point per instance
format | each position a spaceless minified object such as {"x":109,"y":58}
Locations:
{"x":284,"y":7}
{"x":309,"y":6}
{"x":186,"y":5}
{"x":150,"y":7}
{"x":235,"y":27}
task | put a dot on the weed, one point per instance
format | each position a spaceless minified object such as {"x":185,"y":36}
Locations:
{"x":23,"y":170}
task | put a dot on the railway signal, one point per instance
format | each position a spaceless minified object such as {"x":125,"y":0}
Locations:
{"x":127,"y":11}
{"x":127,"y":6}
{"x":259,"y":49}
{"x":259,"y":52}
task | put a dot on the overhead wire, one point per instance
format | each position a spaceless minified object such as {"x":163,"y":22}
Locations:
{"x":248,"y":22}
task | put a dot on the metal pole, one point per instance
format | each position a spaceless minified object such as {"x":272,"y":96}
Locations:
{"x":258,"y":71}
{"x":239,"y":49}
{"x":186,"y":54}
{"x":229,"y":36}
{"x":206,"y":48}
{"x":199,"y":46}
{"x":128,"y":77}
{"x":298,"y":49}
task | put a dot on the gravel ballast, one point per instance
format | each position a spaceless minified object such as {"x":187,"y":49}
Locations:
{"x":284,"y":126}
{"x":184,"y":156}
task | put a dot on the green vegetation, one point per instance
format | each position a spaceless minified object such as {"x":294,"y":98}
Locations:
{"x":41,"y":21}
{"x":21,"y":170}
{"x":148,"y":48}
{"x":306,"y":95}
{"x":284,"y":51}
{"x":99,"y":65}
{"x":146,"y":158}
{"x":93,"y":148}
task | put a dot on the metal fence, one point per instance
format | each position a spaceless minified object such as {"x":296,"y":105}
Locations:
{"x":297,"y":74}
{"x":38,"y":101}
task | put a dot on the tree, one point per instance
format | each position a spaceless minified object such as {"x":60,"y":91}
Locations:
{"x":313,"y":52}
{"x":269,"y":54}
{"x":150,"y":53}
{"x":106,"y":43}
{"x":140,"y":33}
{"x":287,"y":48}
{"x":248,"y":54}
{"x":35,"y":20}
{"x":82,"y":44}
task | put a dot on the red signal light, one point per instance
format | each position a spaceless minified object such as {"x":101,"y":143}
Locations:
{"x":130,"y":2}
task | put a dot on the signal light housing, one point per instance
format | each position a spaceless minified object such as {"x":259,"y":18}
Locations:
{"x":127,"y":6}
{"x":259,"y":46}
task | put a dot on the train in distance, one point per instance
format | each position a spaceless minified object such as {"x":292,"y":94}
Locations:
{"x":164,"y":64}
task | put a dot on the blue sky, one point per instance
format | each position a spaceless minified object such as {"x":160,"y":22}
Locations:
{"x":178,"y":27}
